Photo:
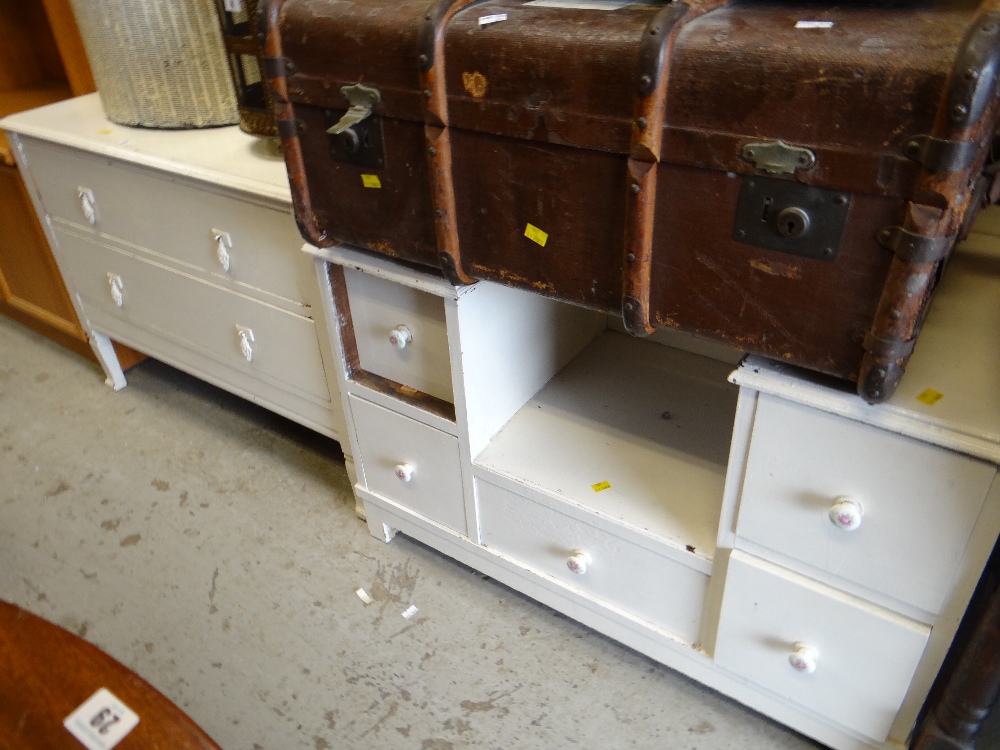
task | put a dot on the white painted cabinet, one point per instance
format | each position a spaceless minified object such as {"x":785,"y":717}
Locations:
{"x":755,"y":527}
{"x":830,"y":653}
{"x":182,"y":244}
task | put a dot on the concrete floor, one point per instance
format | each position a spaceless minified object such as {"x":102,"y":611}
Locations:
{"x":213,"y":548}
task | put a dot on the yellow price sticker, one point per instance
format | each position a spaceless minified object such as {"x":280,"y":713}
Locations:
{"x":371,"y":181}
{"x":535,"y":234}
{"x":601,"y":486}
{"x":930,"y":397}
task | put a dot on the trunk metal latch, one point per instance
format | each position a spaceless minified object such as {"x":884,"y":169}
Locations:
{"x":777,"y":157}
{"x":356,"y":137}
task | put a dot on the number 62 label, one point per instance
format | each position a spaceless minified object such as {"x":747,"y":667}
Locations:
{"x":102,"y":721}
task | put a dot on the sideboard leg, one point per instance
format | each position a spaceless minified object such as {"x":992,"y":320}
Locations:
{"x":106,"y":355}
{"x":376,"y":525}
{"x":971,"y":692}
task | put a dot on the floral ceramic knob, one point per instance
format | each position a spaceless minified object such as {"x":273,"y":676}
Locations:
{"x":578,"y":562}
{"x":803,"y":658}
{"x":846,"y":513}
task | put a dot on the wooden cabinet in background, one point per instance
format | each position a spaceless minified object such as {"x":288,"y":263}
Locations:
{"x":42,"y":60}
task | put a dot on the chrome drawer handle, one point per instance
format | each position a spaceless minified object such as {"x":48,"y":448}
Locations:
{"x":846,"y":513}
{"x":87,"y":204}
{"x":400,"y":336}
{"x":246,"y":339}
{"x":803,"y":658}
{"x":223,"y":244}
{"x":117,"y":289}
{"x":578,"y":561}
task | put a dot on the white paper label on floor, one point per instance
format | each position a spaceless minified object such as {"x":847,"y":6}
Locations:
{"x":814,"y":25}
{"x":410,"y":611}
{"x":102,"y":721}
{"x":363,"y":596}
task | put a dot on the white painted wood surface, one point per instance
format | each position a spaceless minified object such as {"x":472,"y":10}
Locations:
{"x":378,"y":307}
{"x":865,"y":656}
{"x":225,"y":157}
{"x":160,"y":199}
{"x":169,"y":217}
{"x":197,"y":314}
{"x":920,"y":501}
{"x":630,"y":577}
{"x":531,"y":467}
{"x":501,"y":364}
{"x":652,"y":422}
{"x":387,"y":440}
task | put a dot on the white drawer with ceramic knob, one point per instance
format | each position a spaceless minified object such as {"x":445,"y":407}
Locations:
{"x":401,"y":333}
{"x":237,"y":332}
{"x":83,"y":189}
{"x":864,"y":505}
{"x":245,"y":241}
{"x":831,"y":653}
{"x":410,"y":463}
{"x":589,"y":558}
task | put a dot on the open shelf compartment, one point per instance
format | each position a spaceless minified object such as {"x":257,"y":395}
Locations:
{"x":652,"y":422}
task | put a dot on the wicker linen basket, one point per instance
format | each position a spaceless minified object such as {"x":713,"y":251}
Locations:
{"x":158,"y":63}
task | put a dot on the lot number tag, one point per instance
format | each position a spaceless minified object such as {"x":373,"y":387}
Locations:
{"x":102,"y":721}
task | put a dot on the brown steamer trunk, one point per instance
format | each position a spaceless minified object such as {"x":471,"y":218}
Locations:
{"x":790,"y":188}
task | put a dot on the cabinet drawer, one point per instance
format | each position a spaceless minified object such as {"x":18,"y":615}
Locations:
{"x":283,"y":347}
{"x":380,"y":307}
{"x":615,"y":571}
{"x":863,"y":657}
{"x":176,"y":219}
{"x":410,"y":463}
{"x":919,"y":501}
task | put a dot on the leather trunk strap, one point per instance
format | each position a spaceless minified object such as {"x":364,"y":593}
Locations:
{"x":968,"y":114}
{"x":276,"y":70}
{"x":431,"y":64}
{"x":649,"y":114}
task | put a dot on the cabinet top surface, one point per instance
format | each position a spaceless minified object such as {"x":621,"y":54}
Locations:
{"x":223,"y":156}
{"x":950,"y":393}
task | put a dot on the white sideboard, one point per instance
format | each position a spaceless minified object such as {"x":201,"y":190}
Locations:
{"x":182,"y":244}
{"x":758,"y":528}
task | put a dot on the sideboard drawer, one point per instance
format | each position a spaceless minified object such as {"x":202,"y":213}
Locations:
{"x":243,"y":241}
{"x":232,"y":329}
{"x":862,"y":657}
{"x":416,"y":356}
{"x":68,"y":179}
{"x":918,"y":502}
{"x":593,"y":561}
{"x":410,"y":463}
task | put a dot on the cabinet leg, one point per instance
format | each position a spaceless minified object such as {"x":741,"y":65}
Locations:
{"x":352,"y":474}
{"x":376,"y":525}
{"x":971,"y":693}
{"x":106,"y":355}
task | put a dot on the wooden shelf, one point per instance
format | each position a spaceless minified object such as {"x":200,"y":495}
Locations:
{"x":653,"y":422}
